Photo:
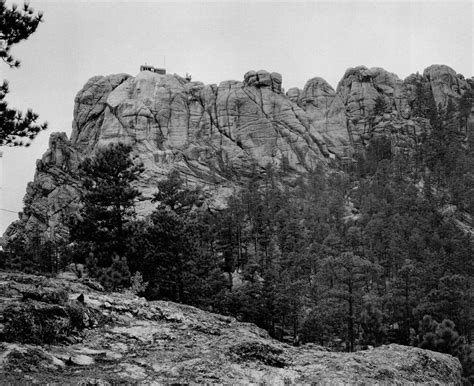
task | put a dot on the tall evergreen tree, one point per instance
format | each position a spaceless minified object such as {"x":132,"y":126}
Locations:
{"x":177,"y":264}
{"x":16,"y":24}
{"x":465,"y":108}
{"x":380,"y":105}
{"x":101,"y":231}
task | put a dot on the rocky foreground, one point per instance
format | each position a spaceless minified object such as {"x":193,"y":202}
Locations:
{"x":94,"y":337}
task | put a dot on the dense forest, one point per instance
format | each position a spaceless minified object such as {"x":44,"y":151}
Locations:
{"x":353,"y":255}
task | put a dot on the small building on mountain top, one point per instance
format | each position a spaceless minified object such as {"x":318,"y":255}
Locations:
{"x":146,"y":67}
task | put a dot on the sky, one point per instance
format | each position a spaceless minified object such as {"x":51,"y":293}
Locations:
{"x":216,"y":41}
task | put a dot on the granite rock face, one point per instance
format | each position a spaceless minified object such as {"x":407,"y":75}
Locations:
{"x":53,"y":195}
{"x":325,"y":111}
{"x":359,"y":89}
{"x":90,"y":104}
{"x":445,"y":83}
{"x":110,"y":338}
{"x":204,"y":130}
{"x":215,"y":135}
{"x":346,"y":118}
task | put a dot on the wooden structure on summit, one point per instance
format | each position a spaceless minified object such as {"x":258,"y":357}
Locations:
{"x":146,"y":67}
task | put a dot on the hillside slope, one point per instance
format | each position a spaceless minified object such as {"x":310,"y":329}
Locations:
{"x":119,"y":337}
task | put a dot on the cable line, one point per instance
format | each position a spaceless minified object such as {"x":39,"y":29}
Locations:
{"x":11,"y":211}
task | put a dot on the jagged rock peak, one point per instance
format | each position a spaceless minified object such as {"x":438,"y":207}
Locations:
{"x":438,"y":69}
{"x":445,"y":83}
{"x":375,"y":75}
{"x":61,"y":153}
{"x":318,"y":86}
{"x":262,"y":79}
{"x":90,"y":104}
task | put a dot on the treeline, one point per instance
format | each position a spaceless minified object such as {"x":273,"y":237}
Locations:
{"x":381,"y":252}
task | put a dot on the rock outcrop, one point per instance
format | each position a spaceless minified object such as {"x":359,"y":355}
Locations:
{"x":206,"y":131}
{"x":53,"y":195}
{"x":214,"y":135}
{"x":346,"y":118}
{"x":325,"y":111}
{"x":445,"y":83}
{"x":108,"y":338}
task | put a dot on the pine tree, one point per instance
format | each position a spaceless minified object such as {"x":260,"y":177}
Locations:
{"x":443,"y":337}
{"x":16,"y":25}
{"x":271,"y":275}
{"x":380,"y":105}
{"x":402,"y":299}
{"x":346,"y":273}
{"x":173,"y":193}
{"x":371,"y":321}
{"x":117,"y":275}
{"x":33,"y":252}
{"x":417,"y":105}
{"x":100,"y":234}
{"x":465,"y":107}
{"x":452,"y":299}
{"x":171,"y":249}
{"x":177,"y":263}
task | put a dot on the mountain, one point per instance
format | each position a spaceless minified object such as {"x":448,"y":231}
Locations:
{"x":108,"y":338}
{"x":216,"y":135}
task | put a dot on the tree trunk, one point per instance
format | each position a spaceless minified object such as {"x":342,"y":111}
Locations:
{"x":350,"y":323}
{"x":295,"y":326}
{"x":407,"y":311}
{"x":239,"y":246}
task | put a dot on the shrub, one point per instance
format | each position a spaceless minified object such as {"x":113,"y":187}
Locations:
{"x":29,"y":323}
{"x":443,"y":337}
{"x":49,"y":318}
{"x":47,"y":295}
{"x":117,"y":275}
{"x":256,"y":351}
{"x":137,"y":285}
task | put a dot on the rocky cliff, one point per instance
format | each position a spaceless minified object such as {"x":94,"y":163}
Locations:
{"x":66,"y":330}
{"x":346,"y":118}
{"x":215,"y":134}
{"x":209,"y":133}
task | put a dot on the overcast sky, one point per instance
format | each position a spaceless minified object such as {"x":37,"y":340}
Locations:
{"x":216,"y":41}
